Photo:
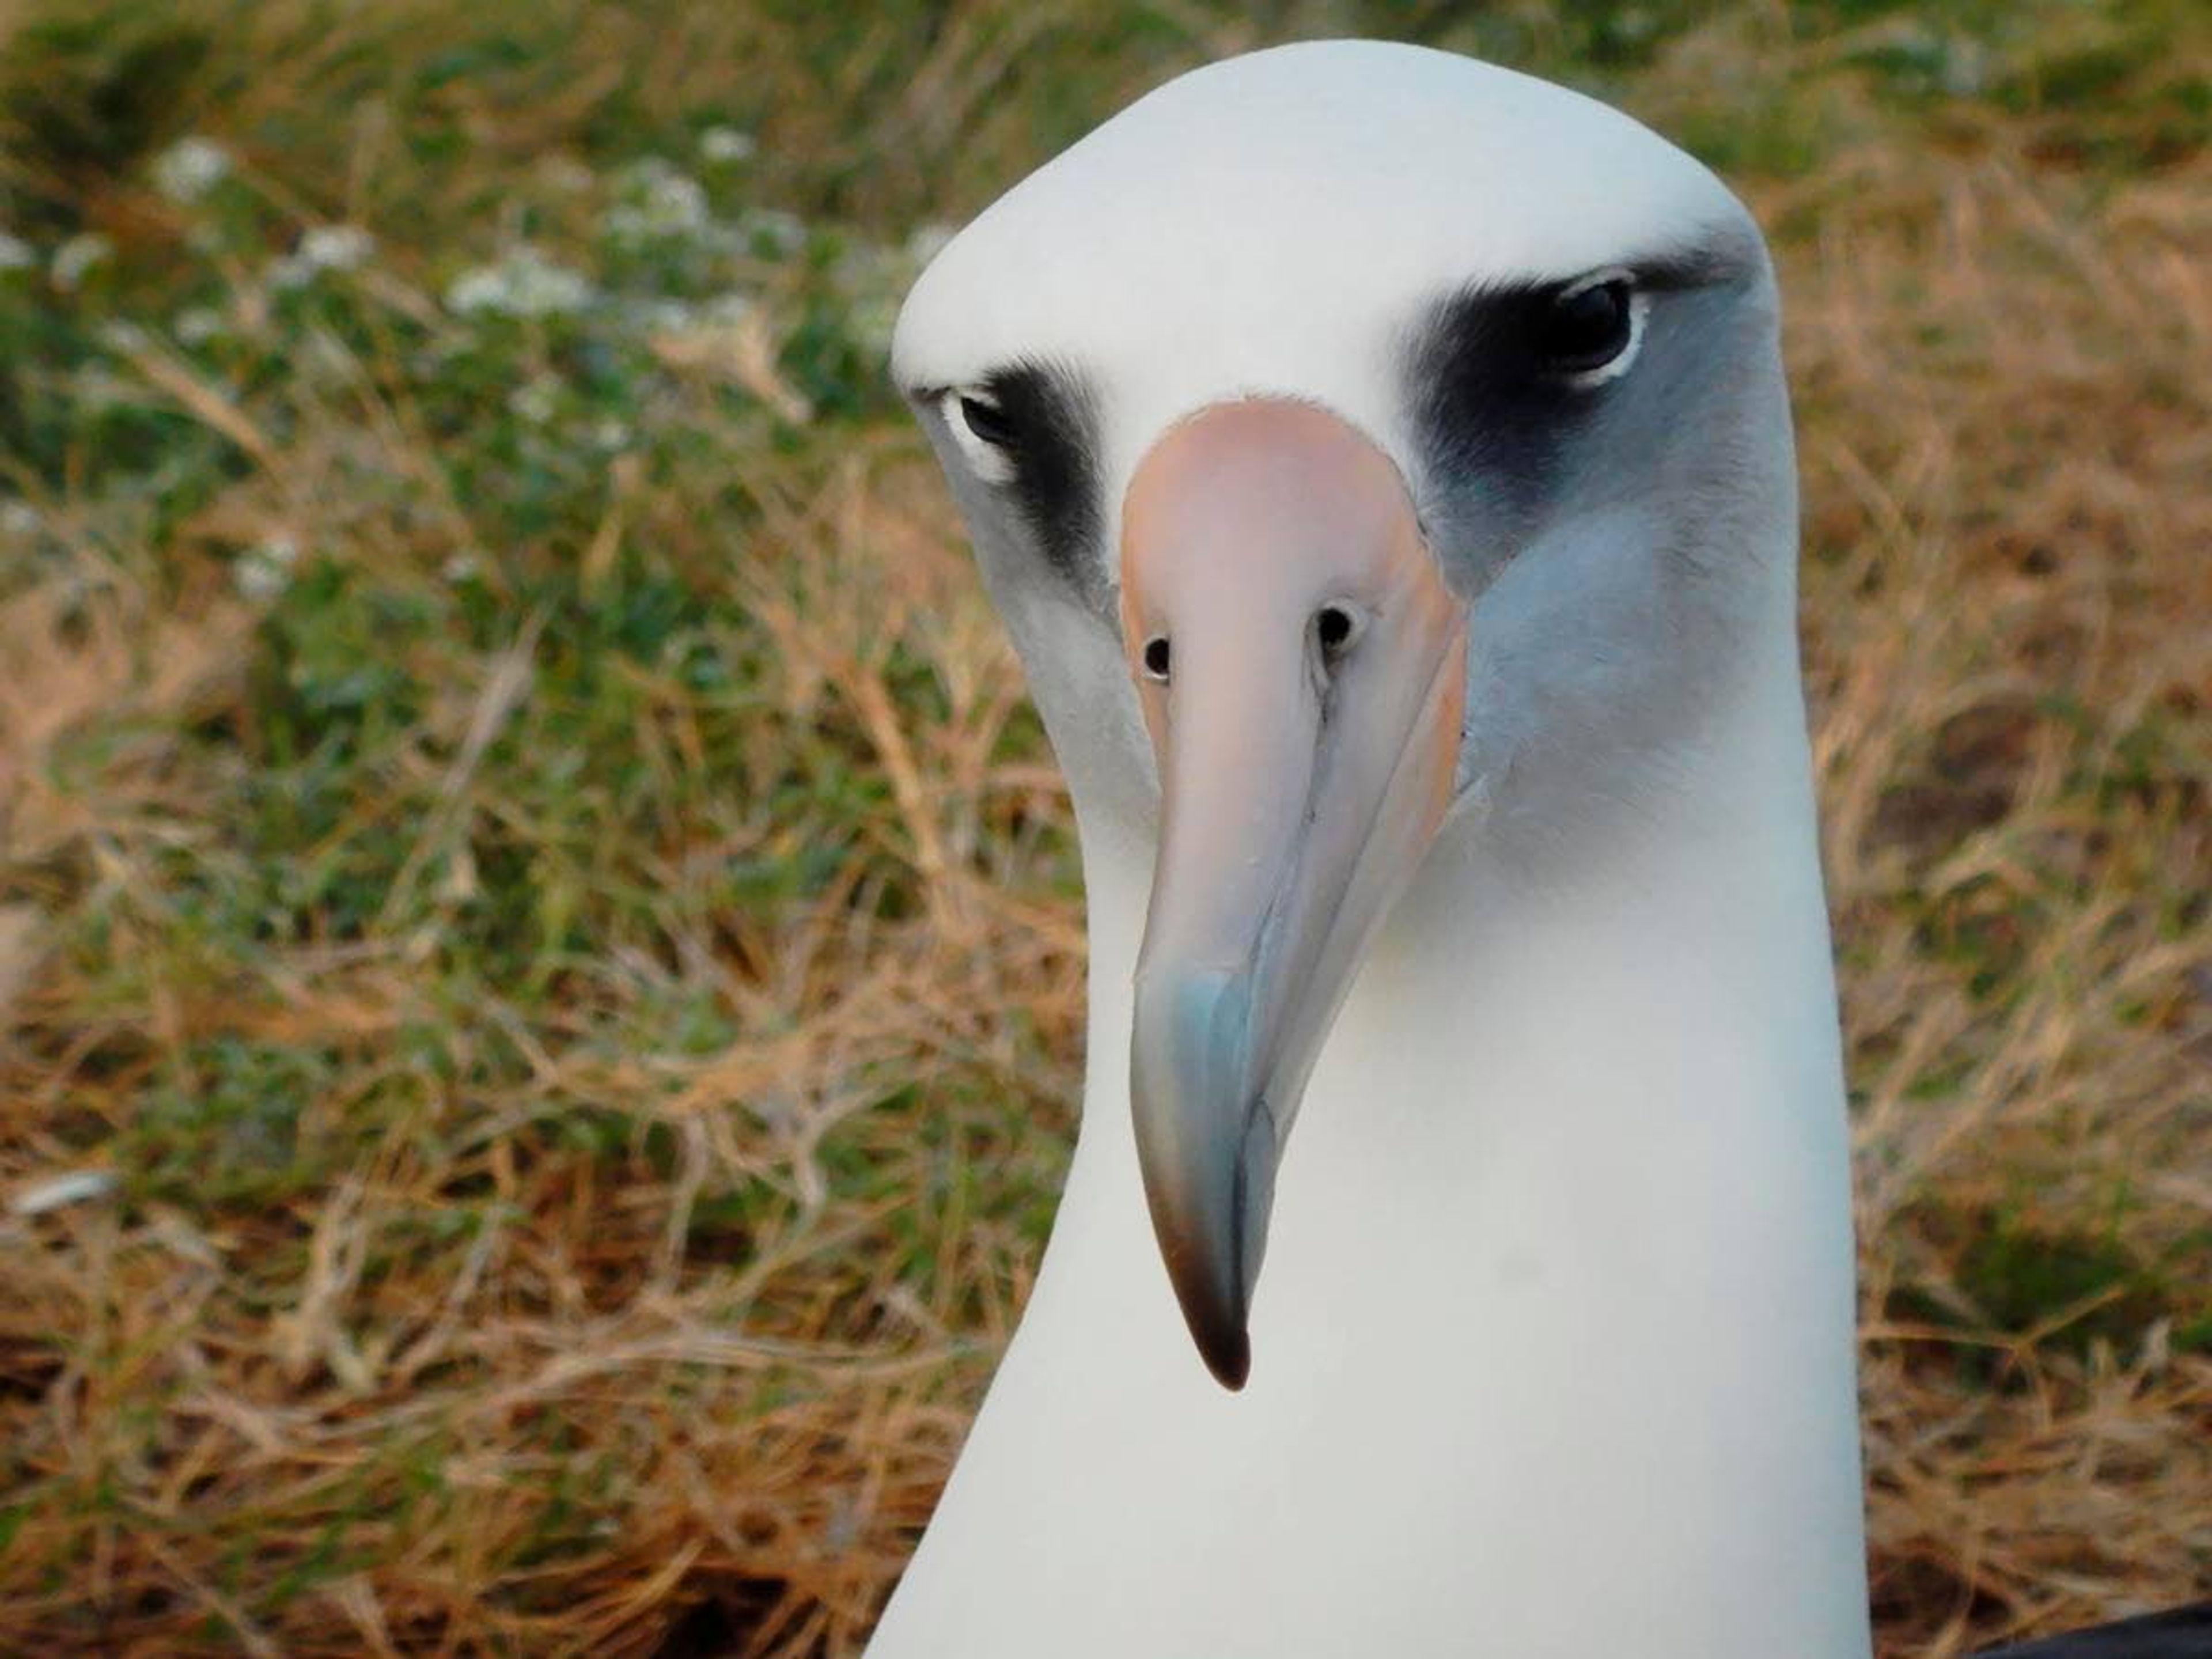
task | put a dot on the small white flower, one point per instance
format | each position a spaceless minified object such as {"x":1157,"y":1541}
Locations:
{"x":611,"y":434}
{"x":190,"y":168}
{"x":196,"y":325}
{"x":264,"y":570}
{"x":779,"y":232}
{"x":687,"y":318}
{"x":535,"y":401}
{"x":462,"y":566}
{"x":121,"y":338}
{"x":658,"y":201}
{"x":481,"y":288}
{"x":20,"y":519}
{"x":337,"y":247}
{"x":15,"y":253}
{"x":322,"y":247}
{"x":526,"y":284}
{"x":726,"y":144}
{"x":78,"y":255}
{"x":660,"y":315}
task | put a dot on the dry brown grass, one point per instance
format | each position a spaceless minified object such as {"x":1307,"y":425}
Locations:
{"x":538,"y":1323}
{"x":2010,"y":625}
{"x":697,"y":1376}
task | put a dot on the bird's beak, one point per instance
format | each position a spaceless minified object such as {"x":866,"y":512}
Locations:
{"x":1302,"y":667}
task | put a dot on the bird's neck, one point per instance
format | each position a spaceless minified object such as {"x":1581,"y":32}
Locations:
{"x":1553,"y":1350}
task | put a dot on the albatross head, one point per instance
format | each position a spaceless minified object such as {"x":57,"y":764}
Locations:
{"x":1377,"y":457}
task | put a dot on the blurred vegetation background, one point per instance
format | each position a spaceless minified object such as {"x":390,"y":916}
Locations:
{"x":540,"y":945}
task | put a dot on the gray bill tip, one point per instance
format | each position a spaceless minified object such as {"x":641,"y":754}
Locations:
{"x":1189,"y":1058}
{"x":1206,"y":1268}
{"x":1214,"y":1268}
{"x":1227,"y":1351}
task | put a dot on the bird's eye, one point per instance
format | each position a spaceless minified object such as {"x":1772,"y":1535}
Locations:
{"x":1590,"y":331}
{"x":1156,"y":658}
{"x":987,"y":422}
{"x":985,"y":434}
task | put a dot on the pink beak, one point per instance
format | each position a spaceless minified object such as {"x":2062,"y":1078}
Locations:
{"x":1302,"y":671}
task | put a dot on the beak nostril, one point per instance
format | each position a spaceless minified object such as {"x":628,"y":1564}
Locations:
{"x":1156,"y":657}
{"x":1335,"y":627}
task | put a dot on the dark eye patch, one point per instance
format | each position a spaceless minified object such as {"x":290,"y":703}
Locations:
{"x":1487,"y":397}
{"x":1494,"y":373}
{"x":1506,"y":402}
{"x":1039,"y":416}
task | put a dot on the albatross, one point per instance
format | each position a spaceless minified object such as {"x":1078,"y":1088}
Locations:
{"x":1383,"y":464}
